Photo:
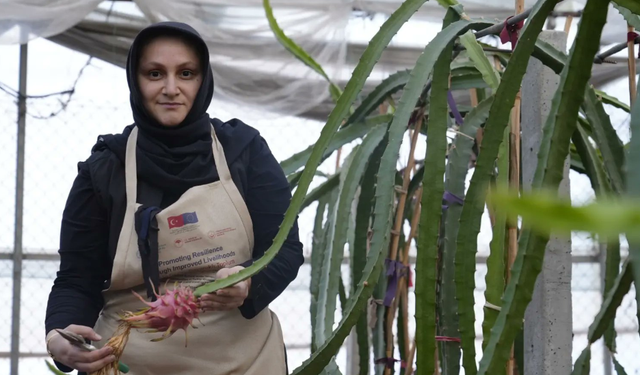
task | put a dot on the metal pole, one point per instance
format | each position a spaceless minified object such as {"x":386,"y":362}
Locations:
{"x":607,"y":361}
{"x":17,"y":245}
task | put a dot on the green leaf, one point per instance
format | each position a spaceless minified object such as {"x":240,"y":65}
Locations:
{"x":518,"y":350}
{"x":364,"y":211}
{"x":633,"y":185}
{"x":53,"y":369}
{"x":544,"y":213}
{"x":468,"y":81}
{"x":330,"y":284}
{"x":550,"y":56}
{"x":344,"y":136}
{"x":612,"y":100}
{"x":633,"y":190}
{"x":583,"y":364}
{"x":364,"y":221}
{"x":495,"y":278}
{"x":612,"y":270}
{"x":430,"y":215}
{"x":317,"y":254}
{"x":632,"y":6}
{"x":378,"y":330}
{"x":321,"y":238}
{"x":447,"y":3}
{"x":602,"y":187}
{"x":463,"y":69}
{"x":457,"y":170}
{"x":612,"y":301}
{"x":322,"y":190}
{"x":619,"y":369}
{"x":353,"y":170}
{"x":559,"y":127}
{"x":592,"y":162}
{"x":385,"y":89}
{"x":297,"y":51}
{"x":606,"y":139}
{"x":476,"y":54}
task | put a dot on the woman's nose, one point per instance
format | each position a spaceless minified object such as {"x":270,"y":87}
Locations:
{"x":170,"y":87}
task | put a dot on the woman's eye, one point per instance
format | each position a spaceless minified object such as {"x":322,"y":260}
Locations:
{"x":154,"y":74}
{"x":187,"y":73}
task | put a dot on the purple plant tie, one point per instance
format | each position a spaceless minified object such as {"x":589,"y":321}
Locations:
{"x":387,"y":362}
{"x":454,"y":108}
{"x":394,"y":270}
{"x":510,"y":32}
{"x":631,"y":37}
{"x":451,"y":198}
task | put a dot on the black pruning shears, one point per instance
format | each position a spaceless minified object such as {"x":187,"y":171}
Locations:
{"x":78,"y":341}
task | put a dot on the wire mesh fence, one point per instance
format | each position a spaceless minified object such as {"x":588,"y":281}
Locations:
{"x":60,"y":131}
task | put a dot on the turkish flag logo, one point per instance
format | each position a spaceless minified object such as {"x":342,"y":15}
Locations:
{"x":175,"y":221}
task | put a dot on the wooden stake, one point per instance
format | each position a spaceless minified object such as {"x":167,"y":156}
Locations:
{"x":514,"y":184}
{"x":567,"y":24}
{"x":474,"y":97}
{"x":633,"y":90}
{"x":412,"y":353}
{"x":397,"y":227}
{"x":404,"y":298}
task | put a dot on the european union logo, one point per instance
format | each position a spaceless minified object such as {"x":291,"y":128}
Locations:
{"x":182,"y":220}
{"x":190,"y":218}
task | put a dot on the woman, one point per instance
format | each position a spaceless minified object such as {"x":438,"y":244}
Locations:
{"x":176,"y":196}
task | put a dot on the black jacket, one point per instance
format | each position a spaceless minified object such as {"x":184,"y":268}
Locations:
{"x":94,"y":213}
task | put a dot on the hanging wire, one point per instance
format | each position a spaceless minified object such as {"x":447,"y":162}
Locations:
{"x":63,"y":104}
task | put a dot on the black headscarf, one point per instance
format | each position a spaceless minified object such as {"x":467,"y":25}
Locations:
{"x":173,"y":158}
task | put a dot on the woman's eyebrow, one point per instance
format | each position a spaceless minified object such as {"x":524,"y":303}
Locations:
{"x":154,"y":64}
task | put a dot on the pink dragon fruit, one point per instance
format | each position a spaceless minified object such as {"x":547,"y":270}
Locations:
{"x":174,"y":310}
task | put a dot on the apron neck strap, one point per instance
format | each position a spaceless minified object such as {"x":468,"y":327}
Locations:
{"x":131,"y":175}
{"x":131,"y":169}
{"x":219,"y":158}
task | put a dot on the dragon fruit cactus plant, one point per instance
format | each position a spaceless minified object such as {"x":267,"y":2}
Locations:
{"x":174,"y":310}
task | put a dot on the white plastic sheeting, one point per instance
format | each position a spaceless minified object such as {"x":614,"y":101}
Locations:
{"x":24,"y":20}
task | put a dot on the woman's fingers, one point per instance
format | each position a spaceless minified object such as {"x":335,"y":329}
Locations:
{"x":217,"y":306}
{"x":221,"y":299}
{"x":82,"y":356}
{"x":228,"y":298}
{"x":226,"y":303}
{"x":238,"y":290}
{"x":96,"y":365}
{"x":84,"y":331}
{"x":215,"y":302}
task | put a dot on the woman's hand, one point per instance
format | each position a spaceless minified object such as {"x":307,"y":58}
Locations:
{"x":77,"y":358}
{"x":228,"y":298}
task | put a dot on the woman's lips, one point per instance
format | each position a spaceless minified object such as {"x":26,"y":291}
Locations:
{"x":171,"y":105}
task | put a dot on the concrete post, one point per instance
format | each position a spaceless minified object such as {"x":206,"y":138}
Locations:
{"x":548,"y":320}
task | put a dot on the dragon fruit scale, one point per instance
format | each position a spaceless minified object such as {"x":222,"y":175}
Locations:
{"x":170,"y":312}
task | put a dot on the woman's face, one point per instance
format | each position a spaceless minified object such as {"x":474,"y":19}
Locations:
{"x":169,"y":78}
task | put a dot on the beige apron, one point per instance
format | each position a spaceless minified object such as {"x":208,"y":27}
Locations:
{"x":208,"y":228}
